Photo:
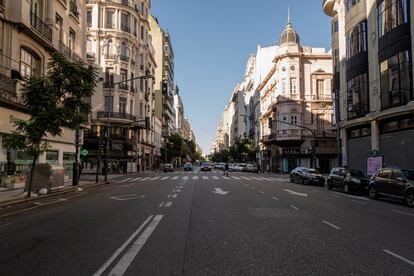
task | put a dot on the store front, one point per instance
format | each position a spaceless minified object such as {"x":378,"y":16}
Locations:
{"x":359,"y":147}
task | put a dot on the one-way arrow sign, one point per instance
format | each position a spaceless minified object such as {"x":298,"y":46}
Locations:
{"x":220,"y":191}
{"x":295,"y":193}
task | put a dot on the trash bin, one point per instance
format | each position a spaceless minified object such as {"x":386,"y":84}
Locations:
{"x":47,"y":176}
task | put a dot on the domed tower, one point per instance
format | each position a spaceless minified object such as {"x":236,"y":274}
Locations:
{"x":289,"y":35}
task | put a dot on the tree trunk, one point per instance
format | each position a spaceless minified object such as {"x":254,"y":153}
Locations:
{"x":29,"y":188}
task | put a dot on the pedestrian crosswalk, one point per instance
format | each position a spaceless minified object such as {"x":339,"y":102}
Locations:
{"x":189,"y":176}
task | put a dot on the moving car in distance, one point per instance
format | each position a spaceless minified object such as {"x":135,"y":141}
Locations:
{"x":168,"y":167}
{"x":188,"y":166}
{"x":206,"y":167}
{"x":304,"y":175}
{"x":252,"y":168}
{"x":393,"y":182}
{"x":350,"y":180}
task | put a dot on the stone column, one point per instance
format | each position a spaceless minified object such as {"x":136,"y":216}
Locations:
{"x":375,"y":135}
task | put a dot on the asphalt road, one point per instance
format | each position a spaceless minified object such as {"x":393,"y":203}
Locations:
{"x":205,"y":224}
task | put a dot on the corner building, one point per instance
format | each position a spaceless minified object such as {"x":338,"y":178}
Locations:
{"x":119,"y":45}
{"x":373,"y":79}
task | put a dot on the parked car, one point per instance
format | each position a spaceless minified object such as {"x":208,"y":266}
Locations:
{"x":304,"y":175}
{"x":188,"y":166}
{"x":232,"y":167}
{"x":393,"y":182}
{"x":240,"y":167}
{"x":206,"y":167}
{"x":168,"y":167}
{"x":350,"y":180}
{"x":252,"y":168}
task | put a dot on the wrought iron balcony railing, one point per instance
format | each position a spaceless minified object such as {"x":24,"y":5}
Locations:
{"x":123,"y":86}
{"x":40,"y":26}
{"x":115,"y":115}
{"x":8,"y":91}
{"x":124,"y":58}
{"x":68,"y":53}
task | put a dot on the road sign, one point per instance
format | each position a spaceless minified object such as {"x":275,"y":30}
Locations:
{"x":84,"y":152}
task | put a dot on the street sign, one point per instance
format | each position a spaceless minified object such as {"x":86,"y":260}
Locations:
{"x":84,"y":152}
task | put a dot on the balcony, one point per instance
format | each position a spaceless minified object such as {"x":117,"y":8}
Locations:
{"x":327,"y":6}
{"x":123,"y":86}
{"x":109,"y":56}
{"x":68,"y":53}
{"x":115,"y":115}
{"x":322,"y":97}
{"x":40,"y":27}
{"x":90,"y":55}
{"x":73,"y":9}
{"x":108,"y":85}
{"x":8,"y":92}
{"x":124,"y":58}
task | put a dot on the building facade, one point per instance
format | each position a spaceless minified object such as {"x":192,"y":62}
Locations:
{"x":29,"y":32}
{"x":119,"y":45}
{"x":372,"y":46}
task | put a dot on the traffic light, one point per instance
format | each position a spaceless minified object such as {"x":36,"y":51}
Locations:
{"x":147,"y":123}
{"x":102,"y":146}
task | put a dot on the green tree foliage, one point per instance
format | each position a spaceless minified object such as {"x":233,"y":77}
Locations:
{"x":243,"y":150}
{"x":179,"y":147}
{"x":53,"y":102}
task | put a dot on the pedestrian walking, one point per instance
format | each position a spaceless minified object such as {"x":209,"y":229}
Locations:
{"x":226,"y":169}
{"x":258,"y":169}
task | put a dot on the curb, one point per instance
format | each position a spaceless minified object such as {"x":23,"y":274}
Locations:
{"x":62,"y":192}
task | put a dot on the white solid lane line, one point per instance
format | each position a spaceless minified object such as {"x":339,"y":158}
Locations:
{"x":135,"y":179}
{"x":403,"y":213}
{"x":226,"y":177}
{"x":165,"y":178}
{"x":174,"y":178}
{"x":119,"y":250}
{"x":121,"y":267}
{"x":264,"y":178}
{"x":168,"y":204}
{"x":155,"y":178}
{"x":399,"y":257}
{"x":351,"y":196}
{"x":126,"y":179}
{"x":174,"y":195}
{"x":145,"y":178}
{"x":185,"y":178}
{"x":256,"y":178}
{"x":275,"y":198}
{"x":294,"y":207}
{"x":195,"y":177}
{"x":235,"y":177}
{"x":205,"y":177}
{"x":162,"y":204}
{"x":215,"y":178}
{"x":332,"y":225}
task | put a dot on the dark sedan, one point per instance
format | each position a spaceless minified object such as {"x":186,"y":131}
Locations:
{"x":206,"y":167}
{"x":350,"y":180}
{"x":188,"y":167}
{"x":304,"y":175}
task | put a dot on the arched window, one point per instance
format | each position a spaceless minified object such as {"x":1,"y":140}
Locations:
{"x":123,"y":51}
{"x":109,"y":49}
{"x":29,"y":63}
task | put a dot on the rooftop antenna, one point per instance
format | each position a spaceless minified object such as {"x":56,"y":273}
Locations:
{"x":288,"y":14}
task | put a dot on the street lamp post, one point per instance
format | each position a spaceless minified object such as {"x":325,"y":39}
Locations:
{"x":108,"y":124}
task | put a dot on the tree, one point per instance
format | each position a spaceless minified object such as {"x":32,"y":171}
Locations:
{"x":53,"y":102}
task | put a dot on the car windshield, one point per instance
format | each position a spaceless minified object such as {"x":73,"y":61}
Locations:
{"x":310,"y":171}
{"x":409,"y":174}
{"x":356,"y":173}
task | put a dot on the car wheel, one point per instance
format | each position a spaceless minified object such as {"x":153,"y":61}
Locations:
{"x":329,"y":185}
{"x":373,"y":192}
{"x":409,"y":199}
{"x":347,"y":188}
{"x":291,"y":179}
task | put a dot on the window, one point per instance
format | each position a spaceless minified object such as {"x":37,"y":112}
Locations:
{"x":109,"y":75}
{"x":386,"y":173}
{"x":320,"y":124}
{"x":109,"y":103}
{"x":397,"y":175}
{"x":141,"y":109}
{"x":125,"y":22}
{"x":284,"y":86}
{"x":293,"y":86}
{"x":110,"y":20}
{"x":357,"y":93}
{"x":294,"y":119}
{"x":142,"y":8}
{"x":29,"y":63}
{"x":90,"y":52}
{"x":396,"y":80}
{"x":320,"y":89}
{"x":88,"y":19}
{"x":72,"y":39}
{"x":52,"y":156}
{"x":356,"y":40}
{"x":123,"y":49}
{"x":336,"y":61}
{"x":131,"y":107}
{"x":109,"y":50}
{"x":349,"y":4}
{"x":133,"y":81}
{"x":122,"y":105}
{"x":59,"y":25}
{"x":141,"y":84}
{"x":335,"y":26}
{"x":391,"y":14}
{"x":124,"y":77}
{"x":142,"y":32}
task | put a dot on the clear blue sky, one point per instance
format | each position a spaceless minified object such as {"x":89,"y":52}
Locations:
{"x":213,"y":39}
